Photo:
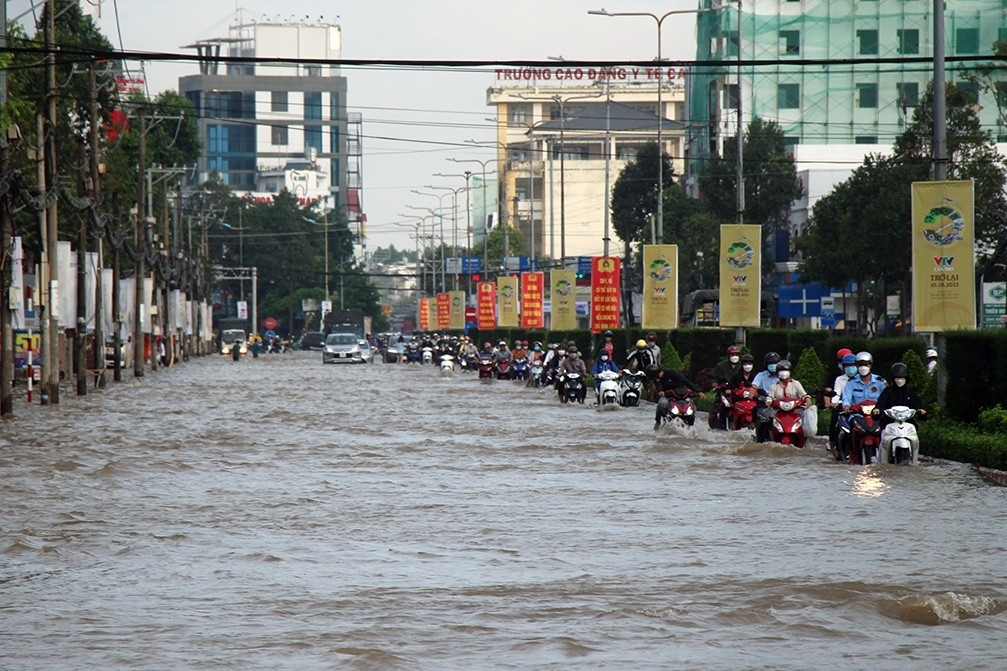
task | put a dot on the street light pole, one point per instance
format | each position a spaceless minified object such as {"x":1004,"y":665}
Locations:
{"x":485,"y":204}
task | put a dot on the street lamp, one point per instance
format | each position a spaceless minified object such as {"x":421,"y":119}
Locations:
{"x":439,"y":213}
{"x":454,"y":215}
{"x":660,"y":102}
{"x":485,"y":202}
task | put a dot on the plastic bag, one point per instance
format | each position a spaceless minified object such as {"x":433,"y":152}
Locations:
{"x":811,"y":420}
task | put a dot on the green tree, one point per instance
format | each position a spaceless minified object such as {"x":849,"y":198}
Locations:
{"x":634,"y":195}
{"x":495,"y":245}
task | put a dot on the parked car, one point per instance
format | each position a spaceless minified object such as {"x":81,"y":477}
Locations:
{"x":396,"y":348}
{"x":343,"y":348}
{"x":313,"y":340}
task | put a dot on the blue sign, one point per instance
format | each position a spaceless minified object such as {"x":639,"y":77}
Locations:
{"x":471,"y":264}
{"x":802,"y":300}
{"x":584,"y":265}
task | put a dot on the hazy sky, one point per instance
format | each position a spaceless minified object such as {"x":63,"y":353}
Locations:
{"x":413,"y":120}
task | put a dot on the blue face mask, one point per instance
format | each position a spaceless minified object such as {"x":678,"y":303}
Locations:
{"x":850,"y":371}
{"x":771,"y":368}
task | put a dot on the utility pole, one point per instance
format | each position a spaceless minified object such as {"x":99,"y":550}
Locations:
{"x":80,"y":321}
{"x":6,"y":240}
{"x":141,"y":252}
{"x":50,"y":387}
{"x":99,"y":334}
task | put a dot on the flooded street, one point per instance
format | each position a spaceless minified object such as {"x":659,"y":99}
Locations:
{"x":281,"y":514}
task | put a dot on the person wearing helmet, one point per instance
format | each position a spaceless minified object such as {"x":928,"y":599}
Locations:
{"x":745,"y":375}
{"x":931,"y":357}
{"x":572,"y":364}
{"x":865,"y":385}
{"x":722,"y":374}
{"x":553,"y":363}
{"x":641,"y":357}
{"x":503,"y":354}
{"x":607,"y":346}
{"x":834,"y":400}
{"x":765,"y":379}
{"x":670,"y":381}
{"x":786,"y":386}
{"x":900,"y":392}
{"x":519,"y":351}
{"x":487,"y":352}
{"x":654,"y":348}
{"x":602,"y":364}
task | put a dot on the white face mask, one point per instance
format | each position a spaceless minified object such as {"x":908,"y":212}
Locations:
{"x":864,"y":370}
{"x":747,"y":367}
{"x":783,"y":374}
{"x":604,"y":357}
{"x":561,"y":352}
{"x":734,"y":359}
{"x":900,"y":382}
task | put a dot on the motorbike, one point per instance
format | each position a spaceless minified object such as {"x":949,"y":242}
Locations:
{"x":631,"y":387}
{"x":412,"y":353}
{"x":719,"y":417}
{"x":788,"y":422}
{"x":744,"y":401}
{"x":573,"y":388}
{"x":899,"y":442}
{"x":486,"y":367}
{"x":608,"y":389}
{"x":447,"y":365}
{"x":519,"y":369}
{"x":503,"y":369}
{"x":681,"y":407}
{"x":538,"y":374}
{"x":428,"y":355}
{"x":859,"y":434}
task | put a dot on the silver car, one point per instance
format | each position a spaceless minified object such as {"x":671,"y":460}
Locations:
{"x":343,"y":348}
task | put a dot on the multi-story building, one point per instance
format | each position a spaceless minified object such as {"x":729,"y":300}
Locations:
{"x":808,"y":80}
{"x":255,"y":118}
{"x":553,"y":165}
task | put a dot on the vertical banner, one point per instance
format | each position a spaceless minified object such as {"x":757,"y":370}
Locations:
{"x":507,"y":301}
{"x":605,"y":288}
{"x":740,"y":274}
{"x":660,"y":287}
{"x":457,"y":320}
{"x":532,"y":296}
{"x":943,"y":256}
{"x":486,"y":306}
{"x":423,"y":314}
{"x":443,"y":313}
{"x":563,"y":297}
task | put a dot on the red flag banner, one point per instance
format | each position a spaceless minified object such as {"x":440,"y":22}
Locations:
{"x":443,"y":311}
{"x":605,"y":286}
{"x":486,"y":306}
{"x":424,"y":314}
{"x":532,"y":297}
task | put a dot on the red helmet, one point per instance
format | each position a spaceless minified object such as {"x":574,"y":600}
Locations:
{"x":843,"y":352}
{"x":733,"y":349}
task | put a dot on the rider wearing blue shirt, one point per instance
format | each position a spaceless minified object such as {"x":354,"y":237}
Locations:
{"x":764,"y":379}
{"x":603,"y":363}
{"x":866,"y":386}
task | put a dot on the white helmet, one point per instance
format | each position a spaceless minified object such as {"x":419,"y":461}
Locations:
{"x":931,"y":353}
{"x":864,"y":357}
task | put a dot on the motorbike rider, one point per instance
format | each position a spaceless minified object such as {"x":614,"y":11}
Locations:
{"x":602,"y":364}
{"x":552,"y":366}
{"x":931,"y":357}
{"x":467,"y":352}
{"x":899,"y":393}
{"x":572,"y":363}
{"x":503,"y":354}
{"x":745,"y":375}
{"x":606,"y":346}
{"x":641,"y":357}
{"x":848,"y":366}
{"x":786,"y":386}
{"x":520,"y":350}
{"x":722,"y":374}
{"x":763,"y":382}
{"x":669,"y":380}
{"x":655,"y":349}
{"x":865,"y":386}
{"x":488,"y":352}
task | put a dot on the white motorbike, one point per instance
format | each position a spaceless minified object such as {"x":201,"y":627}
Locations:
{"x":447,"y":365}
{"x":631,"y":387}
{"x":428,"y":355}
{"x":537,"y":374}
{"x":608,"y":389}
{"x":899,"y":442}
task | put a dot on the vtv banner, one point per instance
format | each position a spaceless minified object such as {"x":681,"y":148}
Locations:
{"x":740,"y":274}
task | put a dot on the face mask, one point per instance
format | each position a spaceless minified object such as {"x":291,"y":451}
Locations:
{"x":771,"y":368}
{"x":783,"y":374}
{"x":734,"y":359}
{"x":604,"y":358}
{"x":864,"y":370}
{"x":537,"y":348}
{"x":561,"y":352}
{"x":850,"y":371}
{"x":747,"y":367}
{"x":900,"y":382}
{"x":574,"y":355}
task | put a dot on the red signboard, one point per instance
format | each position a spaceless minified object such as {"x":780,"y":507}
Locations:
{"x":486,"y":306}
{"x":424,"y":314}
{"x":532,"y":296}
{"x":443,"y":311}
{"x":605,"y":287}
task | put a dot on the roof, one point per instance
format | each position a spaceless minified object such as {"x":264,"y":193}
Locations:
{"x":620,"y":117}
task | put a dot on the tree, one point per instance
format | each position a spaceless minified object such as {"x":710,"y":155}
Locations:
{"x":634,"y":195}
{"x":771,"y":183}
{"x":495,"y":244}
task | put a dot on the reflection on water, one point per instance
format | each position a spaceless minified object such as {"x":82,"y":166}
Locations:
{"x":278,"y":513}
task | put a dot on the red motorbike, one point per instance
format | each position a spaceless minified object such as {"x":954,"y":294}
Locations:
{"x":860,"y":434}
{"x":743,"y":409}
{"x":680,"y":406}
{"x":788,"y":422}
{"x":503,"y":369}
{"x":486,"y":366}
{"x":719,"y":417}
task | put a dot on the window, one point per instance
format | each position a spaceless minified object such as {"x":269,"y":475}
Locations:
{"x":909,"y":41}
{"x":279,"y":101}
{"x":731,"y":97}
{"x":334,"y":172}
{"x":518,"y":113}
{"x":279,"y":135}
{"x":790,"y":42}
{"x":791,"y":141}
{"x":967,"y":41}
{"x":313,"y":105}
{"x":333,"y":140}
{"x":1002,"y":34}
{"x":730,"y":43}
{"x":970,"y":89}
{"x":788,"y":96}
{"x":334,"y":105}
{"x":313,"y":70}
{"x":865,"y":139}
{"x":313,"y":138}
{"x":867,"y":41}
{"x":867,"y":96}
{"x":907,"y":94}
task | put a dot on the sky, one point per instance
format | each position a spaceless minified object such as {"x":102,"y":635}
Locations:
{"x":413,"y":121}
